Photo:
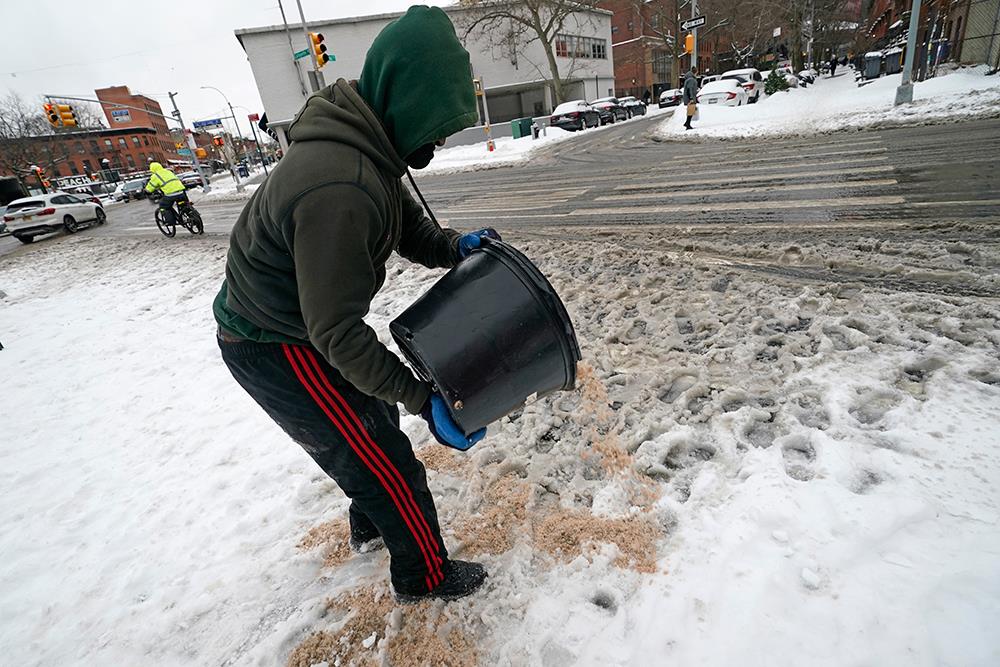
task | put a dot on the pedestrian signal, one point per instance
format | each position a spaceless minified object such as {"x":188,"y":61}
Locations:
{"x":319,"y":49}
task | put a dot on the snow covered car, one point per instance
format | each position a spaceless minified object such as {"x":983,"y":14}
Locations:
{"x":750,"y":79}
{"x":575,"y":115}
{"x":610,"y":108}
{"x":708,"y":78}
{"x":724,"y":92}
{"x":29,"y":217}
{"x":793,"y":81}
{"x":671,"y":98}
{"x":807,"y":75}
{"x":634,"y":107}
{"x":190,"y":179}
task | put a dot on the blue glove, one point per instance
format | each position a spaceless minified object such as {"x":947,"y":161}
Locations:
{"x":469,"y":242}
{"x":443,"y":427}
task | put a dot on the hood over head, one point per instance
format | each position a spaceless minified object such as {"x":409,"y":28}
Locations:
{"x":155,"y":166}
{"x":418,"y":80}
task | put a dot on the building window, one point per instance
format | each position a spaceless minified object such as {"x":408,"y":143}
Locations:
{"x":73,"y":168}
{"x":94,"y":148}
{"x":108,"y":144}
{"x":654,"y":21}
{"x":131,"y":161}
{"x":574,"y":46}
{"x":630,"y":27}
{"x":142,"y":156}
{"x":135,"y":141}
{"x":121,"y":142}
{"x":86,"y":166}
{"x":79,"y":147}
{"x":145,"y":141}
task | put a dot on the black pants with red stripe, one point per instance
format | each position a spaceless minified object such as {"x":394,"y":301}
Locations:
{"x":355,"y":438}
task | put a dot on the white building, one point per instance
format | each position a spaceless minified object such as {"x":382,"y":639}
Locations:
{"x":516,"y":83}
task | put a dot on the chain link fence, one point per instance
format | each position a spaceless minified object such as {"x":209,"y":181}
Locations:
{"x":975,"y":30}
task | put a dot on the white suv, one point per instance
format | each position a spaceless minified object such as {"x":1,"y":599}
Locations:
{"x":750,"y":79}
{"x":29,"y":217}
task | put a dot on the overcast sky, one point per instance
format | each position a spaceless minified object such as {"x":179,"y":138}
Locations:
{"x":71,"y":48}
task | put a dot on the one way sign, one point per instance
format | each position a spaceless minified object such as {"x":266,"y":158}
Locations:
{"x":693,"y":23}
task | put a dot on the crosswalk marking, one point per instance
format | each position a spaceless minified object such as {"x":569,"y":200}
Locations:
{"x":780,"y":187}
{"x":881,"y":169}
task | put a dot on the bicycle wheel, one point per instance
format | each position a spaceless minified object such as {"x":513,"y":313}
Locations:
{"x":167,"y":229}
{"x":193,"y":222}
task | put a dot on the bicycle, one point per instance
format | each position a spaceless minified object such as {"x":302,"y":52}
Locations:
{"x":189,"y":218}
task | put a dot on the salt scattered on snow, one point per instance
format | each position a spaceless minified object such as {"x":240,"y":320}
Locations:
{"x":814,"y":475}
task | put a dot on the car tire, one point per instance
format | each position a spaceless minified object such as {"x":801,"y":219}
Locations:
{"x":70,"y":225}
{"x":100,"y":216}
{"x":24,"y":238}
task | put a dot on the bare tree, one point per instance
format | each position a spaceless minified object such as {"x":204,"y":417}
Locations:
{"x":512,"y":25}
{"x":27,"y":139}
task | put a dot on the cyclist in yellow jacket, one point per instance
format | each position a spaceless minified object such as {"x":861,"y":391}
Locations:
{"x":170,"y":187}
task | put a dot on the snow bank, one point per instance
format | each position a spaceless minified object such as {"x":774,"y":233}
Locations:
{"x":838,"y":103}
{"x":750,"y":468}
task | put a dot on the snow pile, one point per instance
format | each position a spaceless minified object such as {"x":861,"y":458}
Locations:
{"x":509,"y":151}
{"x":838,"y":103}
{"x":749,"y":468}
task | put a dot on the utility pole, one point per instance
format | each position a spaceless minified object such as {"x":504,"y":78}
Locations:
{"x":904,"y":93}
{"x":291,"y":47}
{"x":315,"y":77}
{"x":194,"y":156}
{"x":694,"y":33}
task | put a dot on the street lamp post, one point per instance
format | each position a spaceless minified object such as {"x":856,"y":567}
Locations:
{"x":232,"y":114}
{"x":904,"y":93}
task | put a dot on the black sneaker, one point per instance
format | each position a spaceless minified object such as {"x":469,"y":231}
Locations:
{"x":461,"y":578}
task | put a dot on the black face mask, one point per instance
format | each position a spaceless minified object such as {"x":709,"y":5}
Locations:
{"x":421,"y":157}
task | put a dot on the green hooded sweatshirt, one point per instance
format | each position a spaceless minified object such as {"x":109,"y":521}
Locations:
{"x":308,"y":252}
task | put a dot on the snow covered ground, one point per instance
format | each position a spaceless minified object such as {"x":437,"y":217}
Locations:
{"x":509,"y":151}
{"x":838,"y":103}
{"x":753,"y":471}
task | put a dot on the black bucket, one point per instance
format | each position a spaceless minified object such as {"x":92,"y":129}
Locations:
{"x":488,"y":335}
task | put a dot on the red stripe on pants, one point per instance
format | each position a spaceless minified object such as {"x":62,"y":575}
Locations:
{"x":415,"y":508}
{"x":315,"y":391}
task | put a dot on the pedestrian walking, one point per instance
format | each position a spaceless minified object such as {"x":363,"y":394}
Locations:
{"x":833,"y":66}
{"x":646,"y":97}
{"x":690,"y":95}
{"x":306,"y":258}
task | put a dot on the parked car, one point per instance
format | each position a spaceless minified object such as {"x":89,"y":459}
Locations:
{"x":611,"y":109}
{"x":671,"y":98}
{"x":29,"y":217}
{"x":708,"y":78}
{"x":575,"y":115}
{"x":750,"y":79}
{"x":724,"y":92}
{"x":130,"y":190}
{"x":633,"y":106}
{"x":190,"y":179}
{"x":793,"y":81}
{"x":3,"y":225}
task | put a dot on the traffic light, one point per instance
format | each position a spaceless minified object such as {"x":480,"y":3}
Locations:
{"x":218,"y":141}
{"x":318,"y":49}
{"x":66,"y":115}
{"x":689,"y":43}
{"x":51,"y":114}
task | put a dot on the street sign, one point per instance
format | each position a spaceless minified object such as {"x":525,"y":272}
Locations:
{"x":254,"y":117}
{"x":693,"y":23}
{"x":213,"y":124}
{"x":184,"y":151}
{"x":776,"y":33}
{"x":299,"y":55}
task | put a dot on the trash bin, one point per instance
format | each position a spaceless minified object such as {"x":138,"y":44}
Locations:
{"x":894,"y":61}
{"x":873,"y":64}
{"x":520,"y":127}
{"x":244,"y":172}
{"x":489,"y":334}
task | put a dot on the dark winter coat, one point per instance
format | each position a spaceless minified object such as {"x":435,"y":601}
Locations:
{"x":308,"y":252}
{"x":690,"y":88}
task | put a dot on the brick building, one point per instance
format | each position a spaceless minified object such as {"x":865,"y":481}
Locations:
{"x":139,"y":112}
{"x":81,"y":152}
